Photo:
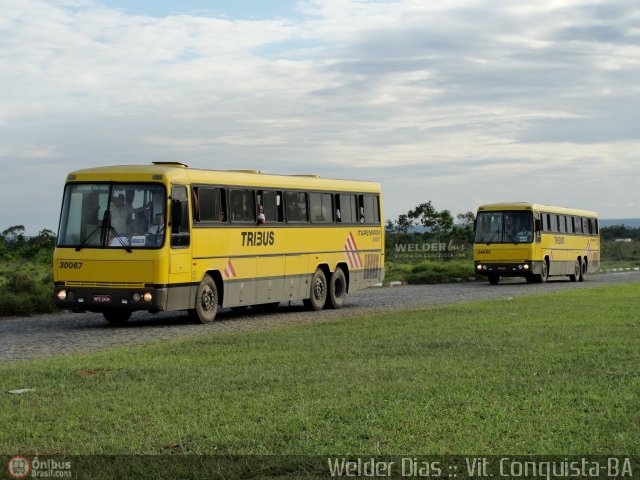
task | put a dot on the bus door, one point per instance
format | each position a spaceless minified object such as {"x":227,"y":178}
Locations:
{"x":180,"y":258}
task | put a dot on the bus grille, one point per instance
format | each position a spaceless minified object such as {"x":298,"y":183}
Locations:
{"x":105,"y":284}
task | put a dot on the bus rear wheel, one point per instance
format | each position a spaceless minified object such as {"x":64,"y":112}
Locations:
{"x":116,"y":317}
{"x":583,"y":271}
{"x":337,"y":289}
{"x":318,"y":291}
{"x":206,"y":302}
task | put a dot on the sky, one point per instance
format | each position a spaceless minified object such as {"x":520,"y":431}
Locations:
{"x":459,"y":102}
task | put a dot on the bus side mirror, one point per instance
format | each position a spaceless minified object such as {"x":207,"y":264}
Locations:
{"x":475,"y":224}
{"x":538,"y":225}
{"x":176,"y":216}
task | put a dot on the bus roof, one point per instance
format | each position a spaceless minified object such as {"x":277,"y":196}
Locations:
{"x":180,"y":173}
{"x":535,"y":207}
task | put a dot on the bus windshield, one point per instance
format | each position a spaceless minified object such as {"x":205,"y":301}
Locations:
{"x":112,"y":215}
{"x":504,"y":227}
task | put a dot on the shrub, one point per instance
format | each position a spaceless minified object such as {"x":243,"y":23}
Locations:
{"x":440,"y":272}
{"x":18,"y":282}
{"x":15,"y":303}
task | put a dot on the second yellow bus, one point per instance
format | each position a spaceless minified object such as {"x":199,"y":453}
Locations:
{"x":535,"y":241}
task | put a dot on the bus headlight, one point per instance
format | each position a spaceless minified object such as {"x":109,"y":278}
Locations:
{"x":62,"y":295}
{"x":479,"y":267}
{"x":147,"y":297}
{"x":526,"y":266}
{"x":136,"y":297}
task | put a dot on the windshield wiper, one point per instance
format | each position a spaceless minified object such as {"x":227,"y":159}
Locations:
{"x":110,"y":229}
{"x":93,"y":232}
{"x":119,"y":237}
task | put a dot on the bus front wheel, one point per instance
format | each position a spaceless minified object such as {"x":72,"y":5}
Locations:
{"x":206,"y":302}
{"x":494,"y":279}
{"x":544,"y":274}
{"x":318,"y":291}
{"x":337,"y":289}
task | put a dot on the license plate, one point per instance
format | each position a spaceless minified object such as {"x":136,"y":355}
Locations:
{"x":101,"y":298}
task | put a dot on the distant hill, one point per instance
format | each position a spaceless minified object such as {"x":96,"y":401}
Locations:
{"x":629,"y":222}
{"x":604,"y":222}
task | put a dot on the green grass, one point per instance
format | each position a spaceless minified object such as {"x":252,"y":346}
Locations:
{"x":553,"y":374}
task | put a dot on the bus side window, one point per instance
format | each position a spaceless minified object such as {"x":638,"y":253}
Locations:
{"x":179,"y":217}
{"x":271,"y":201}
{"x":321,"y":207}
{"x":370,"y":208}
{"x":209,"y":204}
{"x":296,"y":205}
{"x":348,"y":208}
{"x":243,"y":206}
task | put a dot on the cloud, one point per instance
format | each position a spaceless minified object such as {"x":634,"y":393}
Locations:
{"x":495,"y":100}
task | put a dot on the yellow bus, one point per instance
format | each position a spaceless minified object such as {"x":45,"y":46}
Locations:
{"x":535,"y":242}
{"x":165,"y":237}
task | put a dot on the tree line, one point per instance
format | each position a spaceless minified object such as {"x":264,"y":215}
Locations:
{"x":14,"y":244}
{"x":437,"y":224}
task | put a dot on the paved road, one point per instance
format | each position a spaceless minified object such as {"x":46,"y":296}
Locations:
{"x":24,"y":338}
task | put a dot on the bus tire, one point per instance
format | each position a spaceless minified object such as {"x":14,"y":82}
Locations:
{"x":577,"y":268}
{"x":337,"y":289}
{"x":494,"y":279}
{"x":544,"y":275}
{"x":206,"y":302}
{"x":116,"y":317}
{"x":583,"y":271}
{"x":317,"y":291}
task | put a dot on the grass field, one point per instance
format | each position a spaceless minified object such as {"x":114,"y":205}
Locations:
{"x":553,"y":374}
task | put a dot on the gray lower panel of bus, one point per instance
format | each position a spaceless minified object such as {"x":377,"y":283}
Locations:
{"x":266,"y":290}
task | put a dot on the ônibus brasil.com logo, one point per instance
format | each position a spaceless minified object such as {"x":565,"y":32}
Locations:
{"x":23,"y":467}
{"x":19,"y":467}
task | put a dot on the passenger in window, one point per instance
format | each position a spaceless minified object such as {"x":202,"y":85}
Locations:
{"x":156,"y":231}
{"x":118,"y":214}
{"x":361,"y":214}
{"x":261,"y":217}
{"x":138,"y":225}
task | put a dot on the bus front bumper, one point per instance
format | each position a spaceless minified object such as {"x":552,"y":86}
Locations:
{"x":98,"y":299}
{"x":508,"y":269}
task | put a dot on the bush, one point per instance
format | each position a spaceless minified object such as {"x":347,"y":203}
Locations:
{"x":16,"y":303}
{"x":431,"y":272}
{"x":18,"y":283}
{"x":23,"y":295}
